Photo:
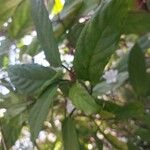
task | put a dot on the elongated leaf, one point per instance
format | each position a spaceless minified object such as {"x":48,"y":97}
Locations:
{"x":11,"y":130}
{"x":45,"y":32}
{"x":67,"y":17}
{"x":31,"y":78}
{"x":70,"y":139}
{"x":138,"y":22}
{"x":137,"y":71}
{"x":40,"y":110}
{"x":21,"y":20}
{"x":143,"y":42}
{"x":16,"y":109}
{"x":130,"y":110}
{"x":7,"y":8}
{"x":116,"y":142}
{"x":82,"y":99}
{"x":99,"y":39}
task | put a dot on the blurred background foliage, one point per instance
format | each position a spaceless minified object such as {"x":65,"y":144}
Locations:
{"x":126,"y":99}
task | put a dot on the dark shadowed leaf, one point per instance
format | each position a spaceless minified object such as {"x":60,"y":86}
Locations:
{"x":40,"y":110}
{"x":98,"y":40}
{"x":45,"y":32}
{"x":11,"y":130}
{"x":70,"y":138}
{"x":137,"y":71}
{"x":138,"y":22}
{"x":31,"y":78}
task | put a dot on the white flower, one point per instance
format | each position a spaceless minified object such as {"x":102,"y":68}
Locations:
{"x":2,"y":111}
{"x":70,"y":106}
{"x":111,"y":76}
{"x":51,"y":137}
{"x":67,"y":58}
{"x":26,"y":133}
{"x":42,"y":136}
{"x":40,"y":59}
{"x":27,"y":40}
{"x":4,"y":90}
{"x":23,"y":144}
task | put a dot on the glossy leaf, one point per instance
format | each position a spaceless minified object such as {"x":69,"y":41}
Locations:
{"x":82,"y":99}
{"x":137,"y":71}
{"x":45,"y":32}
{"x":40,"y":110}
{"x":98,"y":40}
{"x":69,"y":135}
{"x":31,"y":78}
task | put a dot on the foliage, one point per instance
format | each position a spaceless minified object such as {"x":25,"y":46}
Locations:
{"x":94,"y":101}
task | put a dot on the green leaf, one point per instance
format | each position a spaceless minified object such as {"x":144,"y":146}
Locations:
{"x":65,"y":87}
{"x":82,"y":99}
{"x":143,"y":42}
{"x":98,"y":39}
{"x":7,"y":8}
{"x":34,"y":48}
{"x":70,"y":138}
{"x":104,"y":87}
{"x":31,"y":78}
{"x":130,"y":110}
{"x":66,"y":18}
{"x":11,"y":130}
{"x":137,"y":71}
{"x":143,"y":133}
{"x":116,"y":143}
{"x":21,"y":20}
{"x":40,"y":110}
{"x":87,"y":6}
{"x":16,"y":109}
{"x":45,"y":32}
{"x":74,"y":33}
{"x":138,"y":22}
